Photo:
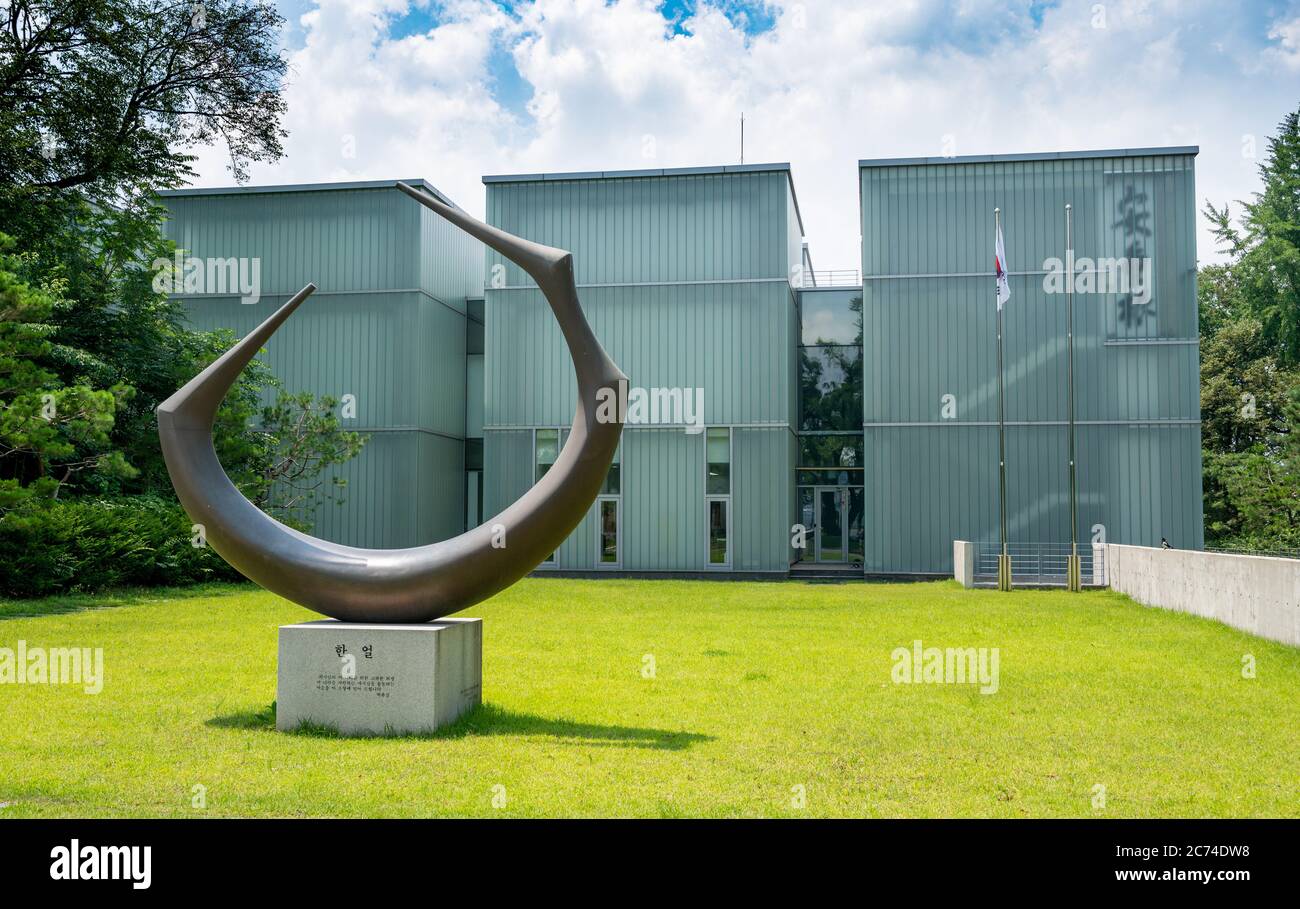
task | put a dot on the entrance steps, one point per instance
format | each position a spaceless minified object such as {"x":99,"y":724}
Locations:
{"x":825,"y":571}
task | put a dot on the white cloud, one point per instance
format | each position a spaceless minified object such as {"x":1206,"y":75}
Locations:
{"x":834,"y":81}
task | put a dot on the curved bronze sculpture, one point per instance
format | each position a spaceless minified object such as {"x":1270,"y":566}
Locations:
{"x":424,"y":582}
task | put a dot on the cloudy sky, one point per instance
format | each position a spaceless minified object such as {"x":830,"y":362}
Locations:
{"x":452,"y":90}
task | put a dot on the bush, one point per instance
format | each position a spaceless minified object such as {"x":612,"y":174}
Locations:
{"x":89,"y":544}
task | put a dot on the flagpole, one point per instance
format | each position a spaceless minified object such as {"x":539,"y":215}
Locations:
{"x":1074,"y":579}
{"x":1004,"y":560}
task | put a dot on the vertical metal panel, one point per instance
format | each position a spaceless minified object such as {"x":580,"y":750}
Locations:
{"x":406,"y":488}
{"x":696,"y":227}
{"x":342,"y":239}
{"x":663,"y":501}
{"x":926,"y":337}
{"x":474,"y":396}
{"x":402,"y":355}
{"x":507,"y":468}
{"x":368,"y":332}
{"x":451,"y":261}
{"x":760,"y":499}
{"x":730,"y":335}
{"x":732,"y":340}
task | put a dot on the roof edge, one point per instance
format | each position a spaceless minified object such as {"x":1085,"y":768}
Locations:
{"x":1034,"y":156}
{"x":626,"y":174}
{"x":304,"y":187}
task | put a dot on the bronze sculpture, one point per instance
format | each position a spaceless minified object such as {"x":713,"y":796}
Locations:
{"x":425,"y":582}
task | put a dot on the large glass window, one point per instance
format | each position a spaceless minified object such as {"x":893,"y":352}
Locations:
{"x":830,"y":360}
{"x":831,"y":317}
{"x":718,"y":452}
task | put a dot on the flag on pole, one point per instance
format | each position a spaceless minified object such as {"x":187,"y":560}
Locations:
{"x":1000,"y":269}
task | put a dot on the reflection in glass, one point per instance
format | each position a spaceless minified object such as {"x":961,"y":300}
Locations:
{"x":856,"y":524}
{"x":548,"y":449}
{"x":718,"y":452}
{"x":832,"y":451}
{"x":831,"y":317}
{"x":608,"y":532}
{"x":717,"y":532}
{"x":830,"y":387}
{"x":613,"y":478}
{"x":830,"y":525}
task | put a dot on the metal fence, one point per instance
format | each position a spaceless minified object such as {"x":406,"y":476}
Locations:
{"x":1271,"y":553}
{"x":1040,"y":564}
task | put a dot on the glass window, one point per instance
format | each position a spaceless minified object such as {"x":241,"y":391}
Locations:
{"x":547,"y":449}
{"x":718,"y":553}
{"x":613,"y":478}
{"x":830,"y":387}
{"x":608,"y":532}
{"x":830,"y":451}
{"x":831,"y":316}
{"x":718,"y":452}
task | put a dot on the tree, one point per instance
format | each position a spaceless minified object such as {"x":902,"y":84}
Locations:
{"x":1263,"y":486}
{"x":112,"y":93}
{"x":49,"y":431}
{"x":304,"y":439}
{"x":1264,"y":252}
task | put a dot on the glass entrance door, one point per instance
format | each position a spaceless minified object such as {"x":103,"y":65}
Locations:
{"x":832,"y":503}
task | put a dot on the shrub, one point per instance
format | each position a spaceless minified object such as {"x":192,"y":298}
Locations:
{"x":89,"y":544}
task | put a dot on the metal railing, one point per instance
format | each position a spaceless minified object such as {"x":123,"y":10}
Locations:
{"x":835,"y":277}
{"x":1040,"y":564}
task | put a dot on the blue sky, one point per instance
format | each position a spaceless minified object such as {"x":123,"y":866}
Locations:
{"x":454,"y":89}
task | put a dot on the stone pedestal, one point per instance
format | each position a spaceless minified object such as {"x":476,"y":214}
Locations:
{"x":378,"y":679}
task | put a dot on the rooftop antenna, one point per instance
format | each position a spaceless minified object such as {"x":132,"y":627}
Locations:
{"x":742,"y":137}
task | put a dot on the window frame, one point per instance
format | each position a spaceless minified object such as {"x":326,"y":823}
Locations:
{"x":550,"y":561}
{"x":725,"y":498}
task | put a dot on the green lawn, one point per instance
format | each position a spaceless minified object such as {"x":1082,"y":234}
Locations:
{"x":758,"y":689}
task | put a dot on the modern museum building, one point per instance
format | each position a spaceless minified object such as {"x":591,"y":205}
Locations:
{"x":780,"y":418}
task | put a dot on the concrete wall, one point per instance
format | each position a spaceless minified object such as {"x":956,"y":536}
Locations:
{"x":1256,"y":594}
{"x":963,"y":562}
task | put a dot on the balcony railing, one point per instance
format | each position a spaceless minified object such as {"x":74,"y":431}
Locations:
{"x":835,"y":277}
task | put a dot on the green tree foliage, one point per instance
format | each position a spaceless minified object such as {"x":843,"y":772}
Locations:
{"x":50,"y":430}
{"x":303,"y":440}
{"x":114,"y":92}
{"x":1250,"y":362}
{"x":1263,"y":279}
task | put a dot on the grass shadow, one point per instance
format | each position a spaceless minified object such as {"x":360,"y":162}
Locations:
{"x":64,"y":603}
{"x":489,"y":719}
